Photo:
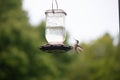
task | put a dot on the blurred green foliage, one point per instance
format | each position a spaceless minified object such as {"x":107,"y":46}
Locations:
{"x":21,"y":59}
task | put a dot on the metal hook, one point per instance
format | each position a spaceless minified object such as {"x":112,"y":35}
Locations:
{"x":56,"y":5}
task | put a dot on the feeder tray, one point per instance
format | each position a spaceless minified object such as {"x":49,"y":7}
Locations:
{"x":57,"y":48}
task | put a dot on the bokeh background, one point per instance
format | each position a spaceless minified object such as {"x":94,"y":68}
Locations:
{"x":21,"y":59}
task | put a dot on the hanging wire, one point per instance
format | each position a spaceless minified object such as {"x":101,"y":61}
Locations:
{"x":56,"y":5}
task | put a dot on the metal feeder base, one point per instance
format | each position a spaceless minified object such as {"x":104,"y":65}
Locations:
{"x":57,"y":48}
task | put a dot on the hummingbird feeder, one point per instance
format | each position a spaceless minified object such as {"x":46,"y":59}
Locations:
{"x":55,"y":32}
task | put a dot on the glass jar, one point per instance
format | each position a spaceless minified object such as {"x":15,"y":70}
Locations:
{"x":55,"y":26}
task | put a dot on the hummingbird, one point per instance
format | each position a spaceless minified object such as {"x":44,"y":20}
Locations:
{"x":77,"y":47}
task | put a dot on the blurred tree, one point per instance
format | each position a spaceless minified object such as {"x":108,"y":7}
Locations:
{"x":97,"y":62}
{"x":20,"y":58}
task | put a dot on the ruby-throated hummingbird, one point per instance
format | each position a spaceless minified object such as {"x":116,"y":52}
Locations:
{"x":77,"y":47}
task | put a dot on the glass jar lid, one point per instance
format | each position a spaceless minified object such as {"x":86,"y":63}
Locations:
{"x":55,"y":11}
